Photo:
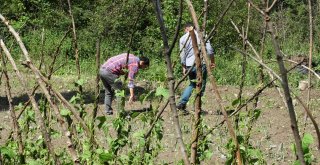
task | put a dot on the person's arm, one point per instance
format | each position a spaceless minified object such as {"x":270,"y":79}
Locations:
{"x":131,"y":98}
{"x":182,"y":55}
{"x":133,"y":69}
{"x":210,"y":53}
{"x":212,"y":64}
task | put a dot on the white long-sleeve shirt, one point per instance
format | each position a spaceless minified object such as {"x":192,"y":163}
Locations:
{"x":187,"y":54}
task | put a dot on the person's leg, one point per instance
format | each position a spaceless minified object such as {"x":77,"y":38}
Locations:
{"x":204,"y":79}
{"x":108,"y":96}
{"x":188,"y":90}
{"x":120,"y":100}
{"x":108,"y":80}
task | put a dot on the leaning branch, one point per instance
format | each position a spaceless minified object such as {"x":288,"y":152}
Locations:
{"x":43,"y":129}
{"x":170,"y":78}
{"x":16,"y":127}
{"x":213,"y":82}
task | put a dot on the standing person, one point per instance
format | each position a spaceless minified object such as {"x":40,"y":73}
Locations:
{"x":111,"y":70}
{"x":187,"y":57}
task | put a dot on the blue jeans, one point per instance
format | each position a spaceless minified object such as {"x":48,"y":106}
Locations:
{"x":192,"y":78}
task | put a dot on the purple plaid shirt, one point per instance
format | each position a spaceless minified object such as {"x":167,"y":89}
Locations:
{"x":117,"y":64}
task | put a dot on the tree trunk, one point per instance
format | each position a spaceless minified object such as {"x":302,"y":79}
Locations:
{"x":44,"y":132}
{"x":171,"y":82}
{"x":285,"y":86}
{"x":214,"y":85}
{"x":16,"y":128}
{"x":197,"y":117}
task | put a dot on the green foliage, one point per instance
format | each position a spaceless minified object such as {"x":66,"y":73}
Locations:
{"x":225,"y":65}
{"x":245,"y":121}
{"x":307,"y":140}
{"x":161,"y":91}
{"x":7,"y":153}
{"x":204,"y":151}
{"x":43,"y":23}
{"x":249,"y":154}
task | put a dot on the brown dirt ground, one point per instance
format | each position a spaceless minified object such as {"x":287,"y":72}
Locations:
{"x":271,"y":132}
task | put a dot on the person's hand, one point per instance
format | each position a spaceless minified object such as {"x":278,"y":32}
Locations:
{"x":212,"y":65}
{"x":131,"y":99}
{"x":184,"y":71}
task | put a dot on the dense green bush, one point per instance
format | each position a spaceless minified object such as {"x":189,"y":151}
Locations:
{"x":113,"y":23}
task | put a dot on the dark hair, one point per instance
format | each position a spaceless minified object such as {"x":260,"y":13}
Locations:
{"x":188,"y":24}
{"x":145,"y":60}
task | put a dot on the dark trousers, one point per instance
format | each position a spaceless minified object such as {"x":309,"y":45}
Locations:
{"x":110,"y":84}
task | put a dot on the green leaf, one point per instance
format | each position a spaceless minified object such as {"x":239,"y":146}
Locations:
{"x":8,"y":152}
{"x":65,"y":112}
{"x":256,"y":113}
{"x":162,"y":92}
{"x":194,"y":80}
{"x":134,"y":115}
{"x":79,"y":82}
{"x":235,"y":102}
{"x":86,"y":154}
{"x":120,"y":93}
{"x":293,"y":148}
{"x":99,"y":151}
{"x":34,"y":162}
{"x":243,"y":148}
{"x":55,"y":133}
{"x":102,"y":120}
{"x":208,"y":154}
{"x":143,"y":118}
{"x":124,"y":158}
{"x":307,"y":139}
{"x":138,"y":134}
{"x":105,"y":156}
{"x":297,"y":162}
{"x":74,"y":99}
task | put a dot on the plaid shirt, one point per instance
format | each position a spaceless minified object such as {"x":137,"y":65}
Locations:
{"x":117,"y":64}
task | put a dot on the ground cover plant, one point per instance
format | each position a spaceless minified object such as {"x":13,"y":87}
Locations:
{"x":260,"y":105}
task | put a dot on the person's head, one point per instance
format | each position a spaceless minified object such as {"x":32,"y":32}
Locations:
{"x":144,"y":62}
{"x":188,"y":26}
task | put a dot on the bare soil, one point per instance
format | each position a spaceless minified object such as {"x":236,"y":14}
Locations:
{"x":271,"y":133}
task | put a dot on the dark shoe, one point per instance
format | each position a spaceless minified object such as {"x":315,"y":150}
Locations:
{"x":109,"y":112}
{"x":181,"y":107}
{"x":184,"y":112}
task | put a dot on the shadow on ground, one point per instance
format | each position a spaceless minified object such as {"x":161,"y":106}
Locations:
{"x":88,"y":97}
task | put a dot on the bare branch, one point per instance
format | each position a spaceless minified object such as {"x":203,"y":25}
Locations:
{"x":287,"y":95}
{"x":45,"y":134}
{"x":210,"y":35}
{"x":170,"y":80}
{"x":271,"y":6}
{"x":309,"y":69}
{"x":310,"y":116}
{"x":175,"y":38}
{"x":256,"y":7}
{"x":260,"y":62}
{"x":213,"y":83}
{"x":310,"y":55}
{"x":16,"y":127}
{"x":197,"y":117}
{"x":75,"y":43}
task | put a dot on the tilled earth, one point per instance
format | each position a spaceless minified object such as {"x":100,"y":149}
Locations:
{"x":271,"y":133}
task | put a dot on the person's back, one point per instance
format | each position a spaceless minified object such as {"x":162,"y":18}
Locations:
{"x":113,"y":68}
{"x":187,"y":53}
{"x":118,"y":63}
